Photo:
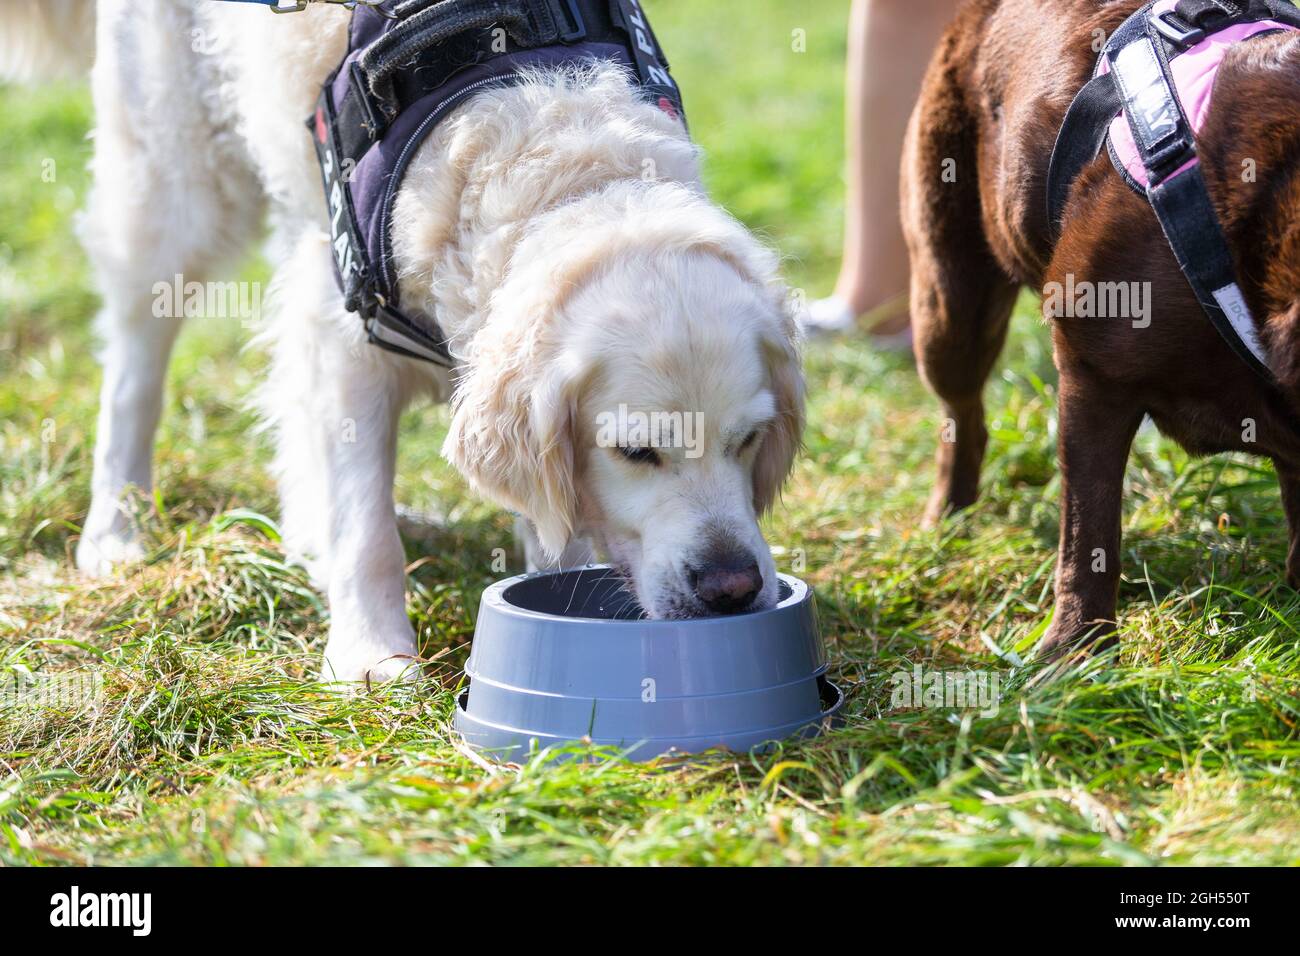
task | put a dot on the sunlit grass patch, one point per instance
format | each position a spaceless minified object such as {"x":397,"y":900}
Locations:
{"x":208,"y":740}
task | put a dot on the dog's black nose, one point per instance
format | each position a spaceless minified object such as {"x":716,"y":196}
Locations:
{"x":726,"y":588}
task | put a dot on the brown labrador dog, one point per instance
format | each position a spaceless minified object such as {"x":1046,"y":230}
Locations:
{"x":974,"y":212}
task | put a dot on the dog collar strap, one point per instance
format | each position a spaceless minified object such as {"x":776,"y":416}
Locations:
{"x":409,"y":63}
{"x":1149,"y":96}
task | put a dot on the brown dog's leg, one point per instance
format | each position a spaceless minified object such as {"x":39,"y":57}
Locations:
{"x":960,"y":306}
{"x":962,"y":442}
{"x":1096,"y":431}
{"x":961,"y":298}
{"x":1289,"y":481}
{"x":961,"y":303}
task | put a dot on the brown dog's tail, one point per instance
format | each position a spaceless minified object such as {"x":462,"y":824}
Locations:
{"x":46,"y":39}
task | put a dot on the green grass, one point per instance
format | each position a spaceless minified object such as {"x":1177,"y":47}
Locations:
{"x":211,"y":745}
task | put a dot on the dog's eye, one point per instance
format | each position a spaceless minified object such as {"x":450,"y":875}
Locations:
{"x":748,"y":443}
{"x":642,"y":456}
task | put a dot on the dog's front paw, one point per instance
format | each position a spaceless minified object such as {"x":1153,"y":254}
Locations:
{"x":355,"y":663}
{"x":99,"y":554}
{"x":1077,"y":642}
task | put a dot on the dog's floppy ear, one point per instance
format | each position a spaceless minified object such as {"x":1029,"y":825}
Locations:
{"x":511,"y":431}
{"x":782,"y":441}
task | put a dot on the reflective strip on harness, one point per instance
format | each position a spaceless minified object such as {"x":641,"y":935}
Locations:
{"x":1152,"y":111}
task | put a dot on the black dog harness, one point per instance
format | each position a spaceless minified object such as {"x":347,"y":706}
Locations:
{"x":409,"y":63}
{"x":1133,"y":105}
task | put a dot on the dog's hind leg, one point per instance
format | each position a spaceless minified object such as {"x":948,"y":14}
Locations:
{"x":169,"y":200}
{"x":961,"y":299}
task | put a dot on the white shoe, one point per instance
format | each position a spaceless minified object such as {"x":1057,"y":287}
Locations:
{"x":834,"y":316}
{"x":829,"y":316}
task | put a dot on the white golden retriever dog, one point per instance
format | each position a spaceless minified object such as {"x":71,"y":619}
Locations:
{"x":559,"y":234}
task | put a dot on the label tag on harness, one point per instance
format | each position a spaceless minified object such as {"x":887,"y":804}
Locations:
{"x":650,"y":64}
{"x":345,"y":243}
{"x":1234,"y":306}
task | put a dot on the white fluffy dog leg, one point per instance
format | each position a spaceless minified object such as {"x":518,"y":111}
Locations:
{"x":371,"y":637}
{"x":175,"y":204}
{"x":334,"y":403}
{"x":135,"y":366}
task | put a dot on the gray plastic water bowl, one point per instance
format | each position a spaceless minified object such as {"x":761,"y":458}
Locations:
{"x":567,"y":656}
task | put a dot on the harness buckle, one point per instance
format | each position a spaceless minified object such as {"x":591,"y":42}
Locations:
{"x":371,"y":120}
{"x":1168,"y":161}
{"x":1177,"y":30}
{"x":579,"y":30}
{"x":301,"y":5}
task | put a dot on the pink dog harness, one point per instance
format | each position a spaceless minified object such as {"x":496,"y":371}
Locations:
{"x":1149,"y":97}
